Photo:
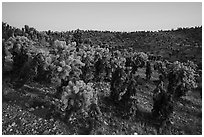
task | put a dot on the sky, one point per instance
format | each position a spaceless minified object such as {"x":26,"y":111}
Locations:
{"x":119,"y":16}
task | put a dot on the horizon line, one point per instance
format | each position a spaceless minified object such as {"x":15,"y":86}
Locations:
{"x":183,"y":27}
